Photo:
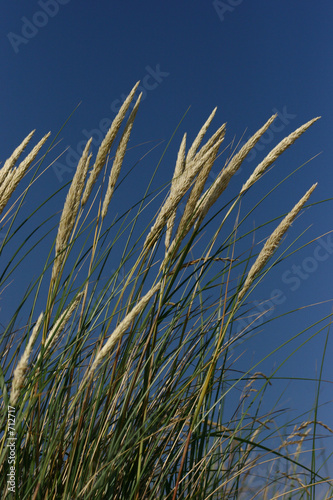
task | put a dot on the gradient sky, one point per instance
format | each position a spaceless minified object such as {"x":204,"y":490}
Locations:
{"x":251,"y":59}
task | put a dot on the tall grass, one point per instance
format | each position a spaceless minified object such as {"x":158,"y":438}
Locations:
{"x":122,"y":379}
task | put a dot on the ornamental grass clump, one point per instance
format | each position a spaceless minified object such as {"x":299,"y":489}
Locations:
{"x":120,"y":360}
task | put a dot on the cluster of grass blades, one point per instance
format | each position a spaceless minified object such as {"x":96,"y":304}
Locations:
{"x":120,"y":384}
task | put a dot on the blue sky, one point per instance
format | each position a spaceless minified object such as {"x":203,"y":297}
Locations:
{"x":251,"y":59}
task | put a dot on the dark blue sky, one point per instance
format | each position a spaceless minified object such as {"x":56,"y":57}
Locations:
{"x":251,"y":59}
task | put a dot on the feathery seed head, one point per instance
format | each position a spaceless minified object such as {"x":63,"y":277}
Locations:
{"x":121,"y":329}
{"x":179,"y":169}
{"x":197,"y":141}
{"x":107,"y":142}
{"x":220,"y":132}
{"x":272,"y":243}
{"x":13,"y":177}
{"x":277,"y":151}
{"x":23,"y":364}
{"x":70,"y":210}
{"x":188,"y":217}
{"x":119,"y":157}
{"x":208,"y":199}
{"x":177,"y":194}
{"x":72,"y":201}
{"x":14,"y":157}
{"x":180,"y":163}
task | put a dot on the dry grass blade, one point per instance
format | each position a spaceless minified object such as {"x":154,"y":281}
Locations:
{"x":272,"y":243}
{"x":22,"y":367}
{"x":107,"y":142}
{"x":275,"y":153}
{"x":203,"y":259}
{"x":119,"y":157}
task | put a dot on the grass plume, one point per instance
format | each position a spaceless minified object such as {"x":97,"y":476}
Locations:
{"x":141,"y":386}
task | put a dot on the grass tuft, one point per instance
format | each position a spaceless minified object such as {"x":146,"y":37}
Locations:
{"x":128,"y":384}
